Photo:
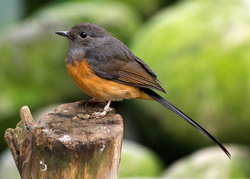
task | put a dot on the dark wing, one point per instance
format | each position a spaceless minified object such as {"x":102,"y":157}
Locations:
{"x":147,"y":68}
{"x":117,"y":63}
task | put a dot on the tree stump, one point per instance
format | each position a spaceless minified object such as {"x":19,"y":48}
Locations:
{"x":67,"y":143}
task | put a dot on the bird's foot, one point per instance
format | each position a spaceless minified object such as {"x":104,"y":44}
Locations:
{"x":104,"y":112}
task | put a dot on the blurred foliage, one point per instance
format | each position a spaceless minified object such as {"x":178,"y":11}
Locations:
{"x":145,"y":7}
{"x":203,"y":51}
{"x":208,"y":163}
{"x":138,"y":160}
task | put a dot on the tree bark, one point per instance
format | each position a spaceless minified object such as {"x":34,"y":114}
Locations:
{"x":67,"y":143}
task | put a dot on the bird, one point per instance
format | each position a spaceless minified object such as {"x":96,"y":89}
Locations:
{"x":106,"y":69}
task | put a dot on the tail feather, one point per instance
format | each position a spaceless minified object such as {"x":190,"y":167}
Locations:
{"x":172,"y":108}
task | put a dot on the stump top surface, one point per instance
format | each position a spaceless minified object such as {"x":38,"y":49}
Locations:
{"x":73,"y":122}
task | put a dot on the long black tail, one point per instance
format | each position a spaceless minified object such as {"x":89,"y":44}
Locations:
{"x":172,"y":108}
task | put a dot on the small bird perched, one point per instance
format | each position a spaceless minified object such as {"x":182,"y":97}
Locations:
{"x":104,"y":68}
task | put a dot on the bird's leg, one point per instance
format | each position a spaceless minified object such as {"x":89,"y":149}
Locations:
{"x":105,"y":110}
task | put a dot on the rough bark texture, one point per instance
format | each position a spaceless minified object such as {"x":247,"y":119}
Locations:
{"x":67,"y":143}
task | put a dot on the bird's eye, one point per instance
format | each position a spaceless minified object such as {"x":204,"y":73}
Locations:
{"x":83,"y":35}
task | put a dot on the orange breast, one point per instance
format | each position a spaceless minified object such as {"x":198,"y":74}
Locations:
{"x":101,"y":88}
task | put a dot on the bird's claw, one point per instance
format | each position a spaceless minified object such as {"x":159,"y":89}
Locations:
{"x":103,"y":113}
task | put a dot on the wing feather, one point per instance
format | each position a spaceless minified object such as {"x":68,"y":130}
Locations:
{"x":117,"y":63}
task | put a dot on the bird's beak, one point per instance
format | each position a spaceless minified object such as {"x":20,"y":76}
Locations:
{"x":63,"y":33}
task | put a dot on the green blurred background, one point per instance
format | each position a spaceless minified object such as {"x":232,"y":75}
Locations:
{"x":199,"y":49}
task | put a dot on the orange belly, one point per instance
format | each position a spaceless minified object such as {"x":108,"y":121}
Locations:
{"x":101,"y":88}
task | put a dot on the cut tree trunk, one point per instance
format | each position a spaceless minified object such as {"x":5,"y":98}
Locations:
{"x":67,"y":143}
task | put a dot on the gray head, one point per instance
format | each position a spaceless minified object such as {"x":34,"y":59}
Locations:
{"x":85,"y":35}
